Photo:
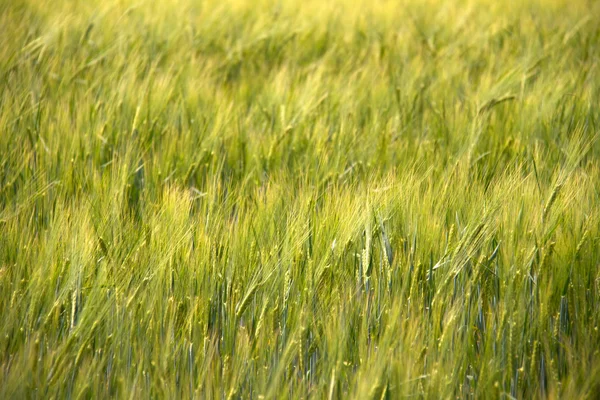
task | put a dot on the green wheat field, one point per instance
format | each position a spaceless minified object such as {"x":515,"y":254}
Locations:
{"x":269,"y":199}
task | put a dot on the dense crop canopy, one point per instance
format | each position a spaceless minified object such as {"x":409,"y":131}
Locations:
{"x":292,"y":199}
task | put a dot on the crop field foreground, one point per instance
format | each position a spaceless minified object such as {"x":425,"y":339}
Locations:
{"x":264,"y":199}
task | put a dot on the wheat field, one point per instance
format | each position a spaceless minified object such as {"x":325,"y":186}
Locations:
{"x":269,"y":199}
